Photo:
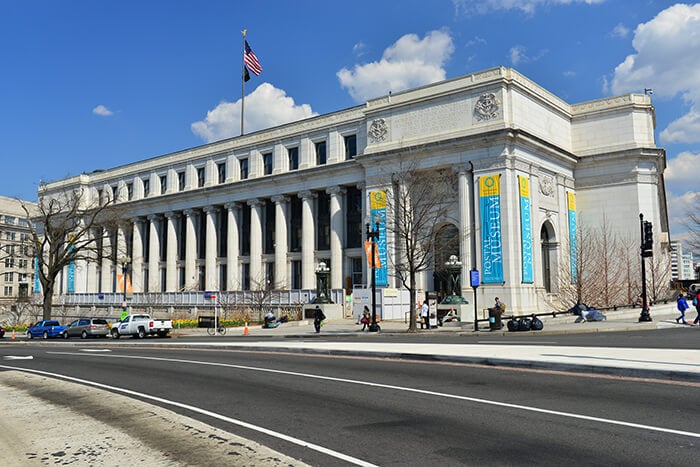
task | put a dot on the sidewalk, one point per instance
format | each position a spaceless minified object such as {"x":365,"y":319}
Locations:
{"x":675,"y":364}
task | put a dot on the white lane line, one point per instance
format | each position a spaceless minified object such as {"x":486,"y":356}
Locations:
{"x":17,"y":357}
{"x":282,"y":436}
{"x":96,"y":350}
{"x":418,"y":391}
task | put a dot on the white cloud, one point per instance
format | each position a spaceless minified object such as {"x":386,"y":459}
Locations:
{"x":265,"y":107}
{"x":620,"y":31}
{"x":666,"y":58}
{"x":410,"y":62}
{"x":102,"y":111}
{"x":682,"y":172}
{"x":679,"y":209}
{"x":517,"y":55}
{"x":526,"y":6}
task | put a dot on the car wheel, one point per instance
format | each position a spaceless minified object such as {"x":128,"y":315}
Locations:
{"x":115,"y":334}
{"x":65,"y":335}
{"x":142,"y":333}
{"x":45,"y":335}
{"x":29,"y":335}
{"x":83,"y":335}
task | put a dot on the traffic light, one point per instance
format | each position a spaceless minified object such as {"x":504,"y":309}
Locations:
{"x":648,"y":245}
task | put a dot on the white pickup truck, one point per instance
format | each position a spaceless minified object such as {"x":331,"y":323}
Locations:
{"x":141,"y":326}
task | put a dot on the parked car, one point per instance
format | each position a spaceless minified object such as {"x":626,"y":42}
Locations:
{"x":2,"y":331}
{"x":46,"y":328}
{"x":87,"y":327}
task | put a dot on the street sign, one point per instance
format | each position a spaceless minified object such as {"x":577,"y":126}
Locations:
{"x":474,"y":278}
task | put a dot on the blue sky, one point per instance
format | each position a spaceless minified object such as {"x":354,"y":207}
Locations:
{"x":89,"y":84}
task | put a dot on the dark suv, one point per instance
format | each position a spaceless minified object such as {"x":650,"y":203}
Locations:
{"x":87,"y":327}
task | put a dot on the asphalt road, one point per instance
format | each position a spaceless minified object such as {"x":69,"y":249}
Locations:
{"x":339,"y":411}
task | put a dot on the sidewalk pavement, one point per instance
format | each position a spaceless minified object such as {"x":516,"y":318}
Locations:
{"x":300,"y":337}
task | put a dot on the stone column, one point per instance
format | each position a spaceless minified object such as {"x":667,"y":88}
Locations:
{"x":211,"y":248}
{"x":308,"y":278}
{"x":257,"y":278}
{"x":465,"y":208}
{"x":137,"y":255}
{"x":92,"y":285}
{"x":337,"y":227}
{"x":232,"y":248}
{"x":106,"y":284}
{"x":281,"y":245}
{"x":171,"y":253}
{"x":191,"y":276}
{"x":153,"y":254}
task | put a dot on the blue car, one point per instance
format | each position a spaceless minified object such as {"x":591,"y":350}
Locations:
{"x":45,"y":329}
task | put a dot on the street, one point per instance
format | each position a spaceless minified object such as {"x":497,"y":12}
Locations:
{"x":328,"y":410}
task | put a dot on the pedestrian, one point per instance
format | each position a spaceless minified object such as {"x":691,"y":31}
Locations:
{"x":365,"y":318}
{"x":696,"y":302}
{"x":425,"y":315}
{"x":499,"y":305}
{"x":318,"y":318}
{"x":682,"y":305}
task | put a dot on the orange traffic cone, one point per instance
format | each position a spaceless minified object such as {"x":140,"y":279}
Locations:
{"x":13,"y":334}
{"x":245,"y":329}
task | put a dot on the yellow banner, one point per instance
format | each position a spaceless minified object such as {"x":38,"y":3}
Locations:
{"x":524,"y":186}
{"x":377,"y":199}
{"x":490,"y":186}
{"x":571,"y":200}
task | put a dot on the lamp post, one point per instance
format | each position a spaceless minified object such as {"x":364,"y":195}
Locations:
{"x":373,"y":235}
{"x":322,"y":273}
{"x":454,"y":268}
{"x":124,"y":261}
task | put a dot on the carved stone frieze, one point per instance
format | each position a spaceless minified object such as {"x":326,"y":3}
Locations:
{"x":547,"y":186}
{"x":487,"y":107}
{"x":378,"y":131}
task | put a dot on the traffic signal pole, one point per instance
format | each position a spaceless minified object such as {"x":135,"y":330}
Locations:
{"x":646,"y":250}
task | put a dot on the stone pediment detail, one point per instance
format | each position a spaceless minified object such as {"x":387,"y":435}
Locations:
{"x":487,"y":107}
{"x":547,"y":186}
{"x":378,"y":131}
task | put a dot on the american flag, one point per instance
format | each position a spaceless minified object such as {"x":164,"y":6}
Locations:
{"x":251,"y":60}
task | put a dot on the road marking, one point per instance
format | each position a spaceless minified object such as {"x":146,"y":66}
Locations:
{"x":282,"y":436}
{"x":17,"y":357}
{"x":95,"y":350}
{"x":414,"y":390}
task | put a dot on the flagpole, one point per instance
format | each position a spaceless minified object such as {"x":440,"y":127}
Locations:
{"x":243,"y":81}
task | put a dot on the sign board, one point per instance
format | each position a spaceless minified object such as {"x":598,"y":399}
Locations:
{"x":474,"y":278}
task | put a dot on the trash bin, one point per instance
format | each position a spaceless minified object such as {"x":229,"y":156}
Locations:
{"x":495,"y":318}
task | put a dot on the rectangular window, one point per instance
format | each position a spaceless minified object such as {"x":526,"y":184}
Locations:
{"x":221,"y":171}
{"x":353,"y":218}
{"x":22,"y":222}
{"x":9,"y":263}
{"x":8,"y":290}
{"x":296,"y":274}
{"x":146,"y":187}
{"x":246,"y":275}
{"x":163,"y":184}
{"x":357,"y":271}
{"x":181,"y":181}
{"x":244,"y":168}
{"x":350,"y":146}
{"x":22,"y":264}
{"x":11,"y":235}
{"x":295,"y":224}
{"x":9,"y":276}
{"x":267,"y":163}
{"x":293,"y":156}
{"x":323,"y":222}
{"x":9,"y":220}
{"x":129,"y":191}
{"x":200,"y":177}
{"x":321,"y":153}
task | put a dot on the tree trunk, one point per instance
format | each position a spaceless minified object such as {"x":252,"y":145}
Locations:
{"x":48,"y":301}
{"x":412,"y":299}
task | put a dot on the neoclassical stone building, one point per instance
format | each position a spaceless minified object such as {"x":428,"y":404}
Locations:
{"x":268,"y":206}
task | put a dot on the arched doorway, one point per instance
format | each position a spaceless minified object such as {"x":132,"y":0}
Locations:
{"x":446,"y":245}
{"x":548,"y":253}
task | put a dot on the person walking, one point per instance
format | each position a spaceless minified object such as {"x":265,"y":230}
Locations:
{"x":365,"y":320}
{"x":682,"y":305}
{"x":425,"y":315}
{"x":318,"y":318}
{"x":696,"y":302}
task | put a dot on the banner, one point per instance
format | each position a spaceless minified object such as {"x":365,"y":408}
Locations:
{"x":491,"y":243}
{"x":573,"y":241}
{"x":129,"y":288}
{"x":526,"y":229}
{"x":70,"y":273}
{"x":37,"y":285}
{"x":377,"y":204}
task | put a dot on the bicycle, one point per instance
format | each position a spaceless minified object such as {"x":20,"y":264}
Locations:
{"x":213,"y":331}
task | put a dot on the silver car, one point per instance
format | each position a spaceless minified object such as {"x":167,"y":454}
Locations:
{"x":87,"y":327}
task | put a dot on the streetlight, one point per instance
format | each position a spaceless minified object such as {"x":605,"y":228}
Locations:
{"x":125,"y":261}
{"x":322,"y":273}
{"x":373,"y":236}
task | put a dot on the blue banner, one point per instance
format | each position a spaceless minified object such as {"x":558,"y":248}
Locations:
{"x":37,"y":285}
{"x":491,"y":243}
{"x":526,"y":229}
{"x":377,"y":202}
{"x":573,"y":241}
{"x":70,"y":274}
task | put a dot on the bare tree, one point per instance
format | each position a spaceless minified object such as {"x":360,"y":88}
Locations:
{"x":67,"y":227}
{"x":417,"y":204}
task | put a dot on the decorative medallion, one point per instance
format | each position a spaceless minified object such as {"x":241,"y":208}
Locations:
{"x":378,"y":131}
{"x":486,"y":107}
{"x":547,"y":186}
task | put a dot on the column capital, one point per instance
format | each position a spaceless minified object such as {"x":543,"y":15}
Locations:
{"x":335,"y":190}
{"x":153,"y":217}
{"x":137,"y":219}
{"x":210,"y":209}
{"x":254,"y":203}
{"x":171,"y":215}
{"x":460,"y":168}
{"x":280,"y":199}
{"x":360,"y":186}
{"x":189,"y":212}
{"x":306,"y":194}
{"x":233,"y":206}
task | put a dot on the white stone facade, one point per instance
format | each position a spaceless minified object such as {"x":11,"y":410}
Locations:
{"x":16,"y":252}
{"x":198,"y":221}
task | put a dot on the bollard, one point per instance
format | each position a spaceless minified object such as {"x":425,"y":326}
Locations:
{"x":13,"y":334}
